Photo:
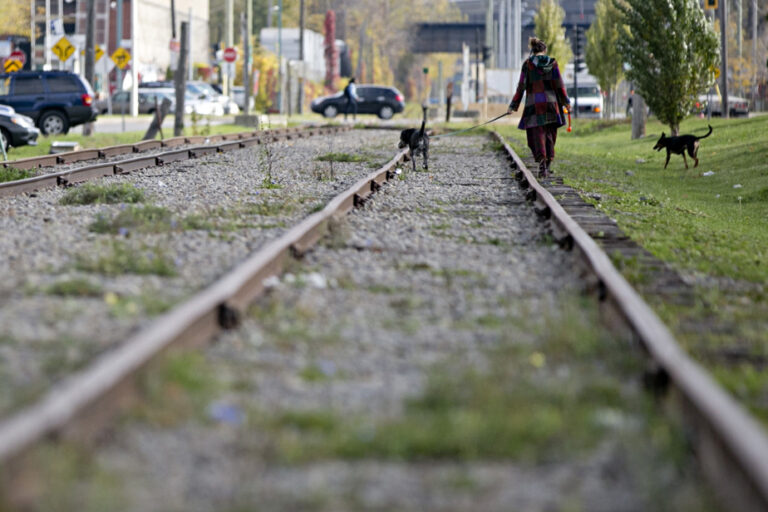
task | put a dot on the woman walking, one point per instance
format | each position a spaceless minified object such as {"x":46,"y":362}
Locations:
{"x":545,"y":98}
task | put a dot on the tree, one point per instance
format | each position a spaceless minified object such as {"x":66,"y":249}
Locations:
{"x":549,"y":28}
{"x":15,"y":19}
{"x":602,"y":55}
{"x":671,"y":51}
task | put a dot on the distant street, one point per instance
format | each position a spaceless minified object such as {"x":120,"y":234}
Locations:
{"x":114,"y":124}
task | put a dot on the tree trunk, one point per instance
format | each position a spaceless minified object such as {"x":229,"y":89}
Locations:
{"x":638,"y":116}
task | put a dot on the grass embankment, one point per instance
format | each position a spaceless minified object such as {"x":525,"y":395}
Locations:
{"x":100,"y":140}
{"x":712,"y":228}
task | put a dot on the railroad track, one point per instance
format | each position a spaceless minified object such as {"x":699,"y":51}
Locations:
{"x":202,"y":145}
{"x":732,"y":447}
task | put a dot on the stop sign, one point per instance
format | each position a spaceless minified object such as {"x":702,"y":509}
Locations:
{"x":230,"y":54}
{"x":19,"y":56}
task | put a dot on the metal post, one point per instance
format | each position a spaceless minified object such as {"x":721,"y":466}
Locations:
{"x":754,"y":53}
{"x":180,"y":83}
{"x":477,"y":65}
{"x":32,"y":34}
{"x":134,"y":59}
{"x":280,"y":55}
{"x":300,"y":109}
{"x":517,"y":36}
{"x":246,"y":58}
{"x":724,"y":58}
{"x":230,"y":43}
{"x":61,"y":21}
{"x":489,"y":29}
{"x":740,"y":36}
{"x":119,"y":86}
{"x":47,"y":44}
{"x":189,"y":46}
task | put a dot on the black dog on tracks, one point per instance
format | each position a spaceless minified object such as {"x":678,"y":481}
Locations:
{"x":417,"y":141}
{"x":678,"y":145}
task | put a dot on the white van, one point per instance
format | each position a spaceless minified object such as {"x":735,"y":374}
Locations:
{"x":590,"y":100}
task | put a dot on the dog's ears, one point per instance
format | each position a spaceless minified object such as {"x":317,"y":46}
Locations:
{"x":663,"y":135}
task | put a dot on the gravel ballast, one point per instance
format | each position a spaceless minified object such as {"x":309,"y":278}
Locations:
{"x":58,"y":307}
{"x":432,"y":353}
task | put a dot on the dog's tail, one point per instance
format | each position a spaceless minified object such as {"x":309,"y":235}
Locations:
{"x":423,"y":121}
{"x":707,"y":135}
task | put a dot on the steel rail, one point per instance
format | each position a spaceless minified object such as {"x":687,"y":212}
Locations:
{"x":72,"y":176}
{"x":84,"y":401}
{"x":731,"y":444}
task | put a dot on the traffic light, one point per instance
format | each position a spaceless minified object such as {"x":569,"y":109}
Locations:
{"x":486,"y":53}
{"x":578,"y":58}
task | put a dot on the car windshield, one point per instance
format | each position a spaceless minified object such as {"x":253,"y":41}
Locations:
{"x":207,"y":88}
{"x":587,"y":90}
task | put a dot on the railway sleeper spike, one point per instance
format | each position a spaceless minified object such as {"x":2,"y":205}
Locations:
{"x":542,"y":211}
{"x":524,"y":183}
{"x":63,"y":182}
{"x":656,"y":380}
{"x":358,"y":200}
{"x":531,"y":195}
{"x":229,"y":317}
{"x":519,"y":175}
{"x":375,"y":186}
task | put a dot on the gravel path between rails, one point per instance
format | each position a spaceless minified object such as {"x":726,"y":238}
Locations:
{"x":224,"y":208}
{"x":433,"y":353}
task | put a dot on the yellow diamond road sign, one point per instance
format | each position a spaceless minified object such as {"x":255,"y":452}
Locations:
{"x":11,"y":65}
{"x":63,"y":49}
{"x":98,"y":53}
{"x":121,"y":57}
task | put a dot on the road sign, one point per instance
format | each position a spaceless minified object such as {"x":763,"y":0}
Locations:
{"x":5,"y":48}
{"x":230,"y":54}
{"x":174,"y":45}
{"x":63,"y":49}
{"x":12,"y":65}
{"x":121,"y":57}
{"x":19,"y":56}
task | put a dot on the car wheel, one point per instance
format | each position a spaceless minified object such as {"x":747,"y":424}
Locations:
{"x":53,"y":122}
{"x":386,"y":112}
{"x":330,"y":111}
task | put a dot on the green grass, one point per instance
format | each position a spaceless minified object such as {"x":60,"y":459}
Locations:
{"x":91,"y":193}
{"x":701,"y":225}
{"x":13,"y":174}
{"x":143,"y":219}
{"x":76,"y":287}
{"x":119,"y":258}
{"x":100,"y":140}
{"x":341,"y":157}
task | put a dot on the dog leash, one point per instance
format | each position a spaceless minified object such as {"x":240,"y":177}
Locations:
{"x":449,"y":134}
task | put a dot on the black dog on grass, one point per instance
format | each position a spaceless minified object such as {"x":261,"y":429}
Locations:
{"x":678,"y":146}
{"x":417,"y":141}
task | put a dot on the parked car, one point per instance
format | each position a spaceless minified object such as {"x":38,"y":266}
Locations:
{"x":15,"y":129}
{"x":55,"y":100}
{"x":122,"y":101}
{"x":374,"y":99}
{"x":589,"y":102}
{"x":737,"y":106}
{"x":238,"y":93}
{"x":202,"y":91}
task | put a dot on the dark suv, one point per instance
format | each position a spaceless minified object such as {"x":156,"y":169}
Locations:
{"x":373,"y":99}
{"x":56,"y":100}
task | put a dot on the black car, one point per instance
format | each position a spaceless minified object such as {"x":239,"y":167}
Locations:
{"x":374,"y":99}
{"x":15,"y":129}
{"x":55,"y":100}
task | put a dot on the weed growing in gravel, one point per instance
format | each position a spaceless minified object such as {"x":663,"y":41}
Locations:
{"x":341,"y":157}
{"x":268,"y":208}
{"x":144,"y":219}
{"x":122,"y":258}
{"x":91,"y":193}
{"x":266,"y":162}
{"x":76,"y":287}
{"x":13,"y":174}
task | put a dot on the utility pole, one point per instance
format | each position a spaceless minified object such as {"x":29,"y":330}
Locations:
{"x":724,"y":58}
{"x":120,"y":45}
{"x":230,"y":43}
{"x":489,"y":29}
{"x":302,"y":67}
{"x":246,"y":57}
{"x":47,"y":45}
{"x":754,"y":53}
{"x":61,"y":24}
{"x":173,"y":19}
{"x":477,"y":65}
{"x":189,"y":45}
{"x":180,"y":82}
{"x":134,"y":59}
{"x":517,"y":36}
{"x":90,"y":52}
{"x":32,"y":34}
{"x":280,"y":55}
{"x":740,"y":35}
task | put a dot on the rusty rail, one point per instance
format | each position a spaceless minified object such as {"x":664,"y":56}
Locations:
{"x":731,"y":444}
{"x":67,"y":178}
{"x":86,"y":400}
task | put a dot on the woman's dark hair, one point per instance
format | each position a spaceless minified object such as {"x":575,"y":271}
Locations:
{"x":537,"y":45}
